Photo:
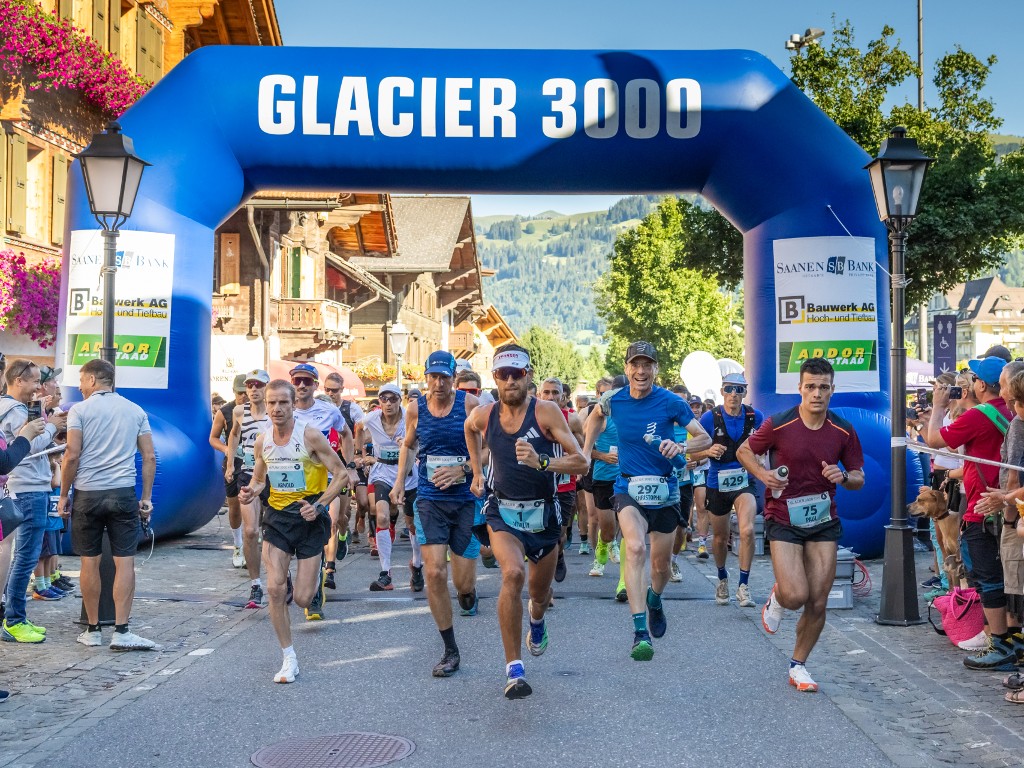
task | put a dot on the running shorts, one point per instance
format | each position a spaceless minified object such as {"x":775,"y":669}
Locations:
{"x":659,"y":519}
{"x":445,"y":522}
{"x":287,"y":530}
{"x":536,"y":546}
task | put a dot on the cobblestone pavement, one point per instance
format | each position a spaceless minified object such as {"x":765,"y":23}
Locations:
{"x":904,"y":688}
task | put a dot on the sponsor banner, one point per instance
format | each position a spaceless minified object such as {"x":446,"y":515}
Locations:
{"x":142,"y":305}
{"x":825,"y":307}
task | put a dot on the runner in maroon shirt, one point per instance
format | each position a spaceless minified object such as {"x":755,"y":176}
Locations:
{"x":821,"y":451}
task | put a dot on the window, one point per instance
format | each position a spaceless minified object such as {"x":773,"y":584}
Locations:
{"x":35,"y":208}
{"x":293,"y":289}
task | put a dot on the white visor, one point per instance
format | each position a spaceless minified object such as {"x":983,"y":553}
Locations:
{"x":512,"y":358}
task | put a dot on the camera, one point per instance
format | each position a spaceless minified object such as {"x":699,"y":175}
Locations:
{"x":956,"y":393}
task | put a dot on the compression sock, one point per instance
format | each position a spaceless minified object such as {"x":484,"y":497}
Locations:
{"x":583,"y":538}
{"x":744,"y":576}
{"x":256,"y":583}
{"x":653,"y":599}
{"x":417,"y":556}
{"x":236,"y":536}
{"x":640,"y":622}
{"x":723,"y":573}
{"x":384,"y":548}
{"x":448,"y":636}
{"x":795,"y":663}
{"x":391,"y":530}
{"x":601,"y":551}
{"x":40,"y":583}
{"x":289,"y":651}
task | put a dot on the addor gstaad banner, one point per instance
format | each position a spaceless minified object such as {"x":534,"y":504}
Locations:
{"x":825,"y":307}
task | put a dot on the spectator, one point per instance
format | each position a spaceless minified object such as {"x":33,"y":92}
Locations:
{"x":980,"y":431}
{"x":30,"y":481}
{"x":104,"y":432}
{"x":998,"y":351}
{"x":50,"y":387}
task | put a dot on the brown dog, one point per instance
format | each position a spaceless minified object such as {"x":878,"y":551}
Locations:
{"x":933,"y":504}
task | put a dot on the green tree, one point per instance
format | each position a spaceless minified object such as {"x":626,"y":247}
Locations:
{"x":552,"y":356}
{"x":593,"y":367}
{"x":646,"y":296}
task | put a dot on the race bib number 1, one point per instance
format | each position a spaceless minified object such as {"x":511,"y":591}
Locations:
{"x":525,"y":516}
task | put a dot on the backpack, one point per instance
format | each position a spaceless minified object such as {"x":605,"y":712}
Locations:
{"x":722,"y":436}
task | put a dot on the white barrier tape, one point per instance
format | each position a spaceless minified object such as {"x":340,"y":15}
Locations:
{"x":951,"y":455}
{"x":48,"y":451}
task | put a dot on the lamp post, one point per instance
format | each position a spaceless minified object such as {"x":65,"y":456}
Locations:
{"x":112,"y":172}
{"x":897,"y":175}
{"x":399,"y":336}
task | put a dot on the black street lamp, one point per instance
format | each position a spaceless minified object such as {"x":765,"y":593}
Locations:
{"x":897,"y":175}
{"x":112,"y":173}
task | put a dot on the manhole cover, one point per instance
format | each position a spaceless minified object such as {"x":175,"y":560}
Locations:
{"x":341,"y":750}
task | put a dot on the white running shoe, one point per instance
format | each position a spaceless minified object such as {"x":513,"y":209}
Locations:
{"x":237,"y":558}
{"x":676,"y":576}
{"x":129,"y":641}
{"x":722,"y":592}
{"x":91,"y":639}
{"x":597,"y":569}
{"x":289,"y":670}
{"x":771,"y":614}
{"x":614,"y":554}
{"x":801,"y":679}
{"x":743,"y":596}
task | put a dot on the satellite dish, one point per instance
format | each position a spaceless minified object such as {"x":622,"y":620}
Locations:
{"x":727,"y":366}
{"x":702,"y":376}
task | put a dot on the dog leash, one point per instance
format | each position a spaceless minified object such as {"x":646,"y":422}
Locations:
{"x":962,"y":457}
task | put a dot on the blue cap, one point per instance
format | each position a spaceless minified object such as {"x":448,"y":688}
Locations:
{"x":987,"y":369}
{"x":440,"y":362}
{"x":307,"y":369}
{"x":734,"y":378}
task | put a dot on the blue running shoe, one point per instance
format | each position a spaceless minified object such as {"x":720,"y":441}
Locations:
{"x":468,"y":604}
{"x":537,"y":638}
{"x":516,"y":686}
{"x":656,"y":619}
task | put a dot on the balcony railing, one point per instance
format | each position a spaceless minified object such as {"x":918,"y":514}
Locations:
{"x":329,"y":320}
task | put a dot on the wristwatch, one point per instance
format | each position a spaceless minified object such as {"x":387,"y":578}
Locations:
{"x":846,"y":476}
{"x":467,"y":469}
{"x":321,"y":509}
{"x":544,"y":460}
{"x":351,"y":465}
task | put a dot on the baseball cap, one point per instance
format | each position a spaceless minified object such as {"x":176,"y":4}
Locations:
{"x":463,"y":365}
{"x":390,"y":387}
{"x":307,"y":369}
{"x":440,"y":362}
{"x":641,"y":349}
{"x":258,"y":374}
{"x":695,"y":400}
{"x":987,"y":369}
{"x":511,"y":358}
{"x":998,"y":350}
{"x":734,"y":378}
{"x":238,"y":385}
{"x":46,"y":373}
{"x":620,"y":381}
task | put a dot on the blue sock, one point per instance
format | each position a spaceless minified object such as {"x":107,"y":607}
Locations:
{"x":640,"y":622}
{"x":653,"y":599}
{"x":723,"y":574}
{"x":744,"y":576}
{"x":795,"y":663}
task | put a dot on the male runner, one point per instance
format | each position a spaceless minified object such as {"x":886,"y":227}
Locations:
{"x":529,"y":441}
{"x":729,"y":485}
{"x":247,"y":422}
{"x":606,"y":469}
{"x":801,"y":522}
{"x":385,"y":428}
{"x":699,"y":474}
{"x":222,"y":425}
{"x":553,"y":391}
{"x":337,"y":548}
{"x":685,"y":477}
{"x":646,"y":493}
{"x":295,"y":459}
{"x":444,"y":503}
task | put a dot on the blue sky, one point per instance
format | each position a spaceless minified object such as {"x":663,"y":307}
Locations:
{"x":992,"y":27}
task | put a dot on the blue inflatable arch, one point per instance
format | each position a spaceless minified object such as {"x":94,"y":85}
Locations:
{"x":228,"y":121}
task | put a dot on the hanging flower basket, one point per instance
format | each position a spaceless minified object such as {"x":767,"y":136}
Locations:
{"x":376,"y":373}
{"x":29,"y":297}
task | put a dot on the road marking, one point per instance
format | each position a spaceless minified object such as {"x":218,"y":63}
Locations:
{"x":201,"y":652}
{"x":168,"y":672}
{"x":854,"y":653}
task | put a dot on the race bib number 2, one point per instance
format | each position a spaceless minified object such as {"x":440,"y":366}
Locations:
{"x":286,"y":476}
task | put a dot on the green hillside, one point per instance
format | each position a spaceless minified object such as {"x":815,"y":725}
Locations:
{"x":547,"y":264}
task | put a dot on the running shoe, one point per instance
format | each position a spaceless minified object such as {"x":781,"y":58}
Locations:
{"x":343,"y":547}
{"x":933,"y":593}
{"x":416,"y":578}
{"x":516,"y":686}
{"x":36,"y":627}
{"x":743,"y":596}
{"x":657,"y":620}
{"x":702,"y":552}
{"x":801,"y":679}
{"x":355,"y":540}
{"x":584,"y":547}
{"x":771,"y":614}
{"x":621,"y":595}
{"x":91,"y":639}
{"x":329,"y":581}
{"x":48,"y":594}
{"x":469,"y":603}
{"x":489,"y":561}
{"x":289,"y":591}
{"x":722,"y":592}
{"x":382,"y":583}
{"x":597,"y":569}
{"x":237,"y":558}
{"x":998,"y":655}
{"x":315,"y":611}
{"x":537,"y":637}
{"x":255,"y":597}
{"x":64,"y":583}
{"x":4,"y":696}
{"x":560,"y":569}
{"x":405,"y":533}
{"x":614,"y":554}
{"x":129,"y":641}
{"x":642,"y":648}
{"x":932,"y":583}
{"x":289,"y":670}
{"x":676,"y":575}
{"x":21,"y":633}
{"x":448,"y":665}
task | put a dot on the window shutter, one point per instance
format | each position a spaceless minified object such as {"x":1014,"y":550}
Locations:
{"x":115,"y":28}
{"x":157,"y":46}
{"x":18,"y":186}
{"x":66,"y":8}
{"x":142,"y":45}
{"x":4,"y":176}
{"x":99,"y":22}
{"x":295,"y":288}
{"x":60,"y":186}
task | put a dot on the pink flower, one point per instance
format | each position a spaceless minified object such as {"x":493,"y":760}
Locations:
{"x":29,"y":297}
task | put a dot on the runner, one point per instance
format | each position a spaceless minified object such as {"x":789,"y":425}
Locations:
{"x":646,"y":493}
{"x":337,"y":548}
{"x":295,"y":458}
{"x":553,"y":391}
{"x":529,"y":441}
{"x":248,"y":421}
{"x":684,"y":476}
{"x":729,"y":486}
{"x":606,"y":470}
{"x":221,"y":428}
{"x":385,"y":428}
{"x":434,"y":427}
{"x":699,"y":473}
{"x":801,"y":522}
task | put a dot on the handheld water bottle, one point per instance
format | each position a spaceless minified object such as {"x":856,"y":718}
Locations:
{"x":781,"y":473}
{"x":679,"y":461}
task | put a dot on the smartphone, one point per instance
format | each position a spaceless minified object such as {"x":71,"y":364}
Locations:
{"x":35,"y":410}
{"x":956,"y":393}
{"x":922,"y":399}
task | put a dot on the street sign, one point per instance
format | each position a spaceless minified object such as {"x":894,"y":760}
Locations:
{"x":944,"y":343}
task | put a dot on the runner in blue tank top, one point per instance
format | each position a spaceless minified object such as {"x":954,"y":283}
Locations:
{"x":443,"y":514}
{"x":646,"y":492}
{"x":529,"y":442}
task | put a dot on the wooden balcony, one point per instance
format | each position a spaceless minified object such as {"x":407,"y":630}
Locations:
{"x":308,"y":326}
{"x":461,"y":344}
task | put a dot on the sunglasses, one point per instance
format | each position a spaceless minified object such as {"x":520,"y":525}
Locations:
{"x":734,"y":389}
{"x":388,"y":399}
{"x":332,"y":390}
{"x":504,"y":374}
{"x":303,"y":381}
{"x":471,"y":390}
{"x":255,"y":384}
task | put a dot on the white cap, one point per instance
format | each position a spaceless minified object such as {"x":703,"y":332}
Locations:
{"x":511,"y":358}
{"x":463,"y":365}
{"x":390,"y":387}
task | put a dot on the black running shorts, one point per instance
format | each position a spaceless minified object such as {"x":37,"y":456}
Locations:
{"x":659,"y":519}
{"x":776,"y":531}
{"x":603,"y":492}
{"x":536,"y":546}
{"x":382,"y":492}
{"x":445,"y":522}
{"x":287,"y":530}
{"x":719,"y":503}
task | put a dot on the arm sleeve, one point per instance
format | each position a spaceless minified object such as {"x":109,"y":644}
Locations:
{"x":762,"y":439}
{"x":15,"y":452}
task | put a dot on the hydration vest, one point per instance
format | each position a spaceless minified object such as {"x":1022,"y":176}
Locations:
{"x":721,"y":435}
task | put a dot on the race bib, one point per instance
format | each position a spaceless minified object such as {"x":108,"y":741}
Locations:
{"x":286,"y":476}
{"x":389,"y":452}
{"x":683,"y":476}
{"x":435,"y":462}
{"x":525,"y":516}
{"x":649,"y":490}
{"x":700,"y":477}
{"x":54,"y":500}
{"x":809,"y":511}
{"x":248,"y":457}
{"x":732,"y":479}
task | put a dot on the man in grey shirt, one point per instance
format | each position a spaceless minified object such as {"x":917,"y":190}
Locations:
{"x":104,"y":433}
